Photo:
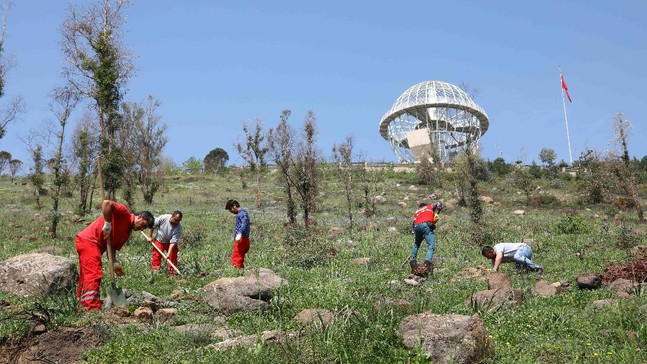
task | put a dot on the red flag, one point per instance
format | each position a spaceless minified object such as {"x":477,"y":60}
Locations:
{"x":565,"y":87}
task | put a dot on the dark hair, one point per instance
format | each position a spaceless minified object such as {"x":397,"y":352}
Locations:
{"x":177,"y":212}
{"x":146,"y":215}
{"x":422,"y":204}
{"x":230,"y":204}
{"x":486,"y":250}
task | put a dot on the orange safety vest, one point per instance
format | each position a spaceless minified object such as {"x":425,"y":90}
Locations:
{"x":424,"y":214}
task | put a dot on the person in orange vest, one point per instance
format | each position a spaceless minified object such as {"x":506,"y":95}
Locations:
{"x":116,"y":222}
{"x":424,"y":224}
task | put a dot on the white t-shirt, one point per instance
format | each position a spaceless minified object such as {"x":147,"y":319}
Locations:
{"x":167,"y":233}
{"x":508,"y":250}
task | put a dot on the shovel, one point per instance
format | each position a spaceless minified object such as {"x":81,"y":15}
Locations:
{"x":161,"y":252}
{"x":116,"y":295}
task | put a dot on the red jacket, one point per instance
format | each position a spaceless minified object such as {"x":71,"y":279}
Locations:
{"x":122,"y":221}
{"x":424,"y":214}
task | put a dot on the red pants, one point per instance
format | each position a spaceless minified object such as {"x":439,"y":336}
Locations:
{"x":90,"y":273}
{"x":238,"y":255}
{"x":157,"y":257}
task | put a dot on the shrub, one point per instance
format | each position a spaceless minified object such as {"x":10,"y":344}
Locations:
{"x":571,"y":224}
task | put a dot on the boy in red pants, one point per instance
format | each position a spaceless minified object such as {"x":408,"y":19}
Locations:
{"x":241,"y":233}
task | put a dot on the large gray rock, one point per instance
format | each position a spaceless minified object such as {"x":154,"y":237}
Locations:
{"x":544,"y":289}
{"x":589,"y":281}
{"x":250,"y":292}
{"x":499,"y":294}
{"x":37,"y":274}
{"x":448,"y":338}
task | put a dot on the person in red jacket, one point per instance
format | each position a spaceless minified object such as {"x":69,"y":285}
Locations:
{"x":118,"y":223}
{"x":424,"y":224}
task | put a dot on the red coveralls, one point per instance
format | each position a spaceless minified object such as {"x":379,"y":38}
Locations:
{"x":238,"y":255}
{"x":90,"y":245}
{"x":156,"y":261}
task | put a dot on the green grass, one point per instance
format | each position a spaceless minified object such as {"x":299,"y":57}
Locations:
{"x":559,"y":329}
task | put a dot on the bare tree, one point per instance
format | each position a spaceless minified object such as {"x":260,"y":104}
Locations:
{"x":253,"y":151}
{"x":37,"y":177}
{"x":98,"y":68}
{"x":306,"y":176}
{"x":66,"y":101}
{"x":14,"y":167}
{"x":85,"y":146}
{"x":16,"y":106}
{"x":5,"y":158}
{"x":624,"y":170}
{"x":281,"y":144}
{"x":343,"y":157}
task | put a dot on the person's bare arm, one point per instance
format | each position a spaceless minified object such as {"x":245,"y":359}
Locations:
{"x":497,"y":261}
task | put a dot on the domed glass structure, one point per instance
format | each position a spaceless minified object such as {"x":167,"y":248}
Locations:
{"x":432,"y":114}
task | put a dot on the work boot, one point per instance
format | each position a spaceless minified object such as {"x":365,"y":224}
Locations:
{"x":430,"y":267}
{"x":414,"y":264}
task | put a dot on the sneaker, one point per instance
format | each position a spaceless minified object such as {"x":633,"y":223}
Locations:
{"x":430,"y":267}
{"x":539,"y":270}
{"x":413,"y":264}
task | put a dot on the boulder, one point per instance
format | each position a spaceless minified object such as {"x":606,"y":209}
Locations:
{"x":144,"y":313}
{"x":448,"y":338}
{"x":37,"y":274}
{"x":486,"y":199}
{"x":600,"y":304}
{"x":498,"y":281}
{"x":544,"y":289}
{"x":589,"y":281}
{"x":519,"y":212}
{"x":622,"y":285}
{"x":493,"y":298}
{"x":249,"y":292}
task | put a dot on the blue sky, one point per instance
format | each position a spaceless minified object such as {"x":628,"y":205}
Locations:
{"x":214,"y":64}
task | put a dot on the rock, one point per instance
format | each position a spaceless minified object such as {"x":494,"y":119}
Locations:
{"x":589,"y":281}
{"x":411,"y":282}
{"x":486,"y":199}
{"x":623,"y":285}
{"x":643,"y":310}
{"x":600,"y":304}
{"x":448,"y":338}
{"x":176,"y":294}
{"x":144,"y":313}
{"x":402,"y":204}
{"x":413,"y":188}
{"x":360,"y":261}
{"x":544,"y":289}
{"x":166,"y":314}
{"x":392,"y":229}
{"x":498,"y":281}
{"x":315,"y":316}
{"x":251,"y":340}
{"x":37,"y":274}
{"x":379,"y":199}
{"x":250,"y":292}
{"x":493,"y":298}
{"x":519,"y":212}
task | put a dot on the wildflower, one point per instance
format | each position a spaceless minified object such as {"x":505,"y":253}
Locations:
{"x":588,"y":344}
{"x":609,"y":353}
{"x":596,"y":354}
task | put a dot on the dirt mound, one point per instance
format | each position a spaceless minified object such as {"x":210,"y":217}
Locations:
{"x":61,"y":346}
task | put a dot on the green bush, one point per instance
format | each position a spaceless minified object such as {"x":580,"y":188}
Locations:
{"x":571,"y":224}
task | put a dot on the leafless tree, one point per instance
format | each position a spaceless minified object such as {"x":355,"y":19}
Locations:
{"x":343,"y":158}
{"x":281,"y":144}
{"x":624,"y":170}
{"x":14,"y":167}
{"x":65,"y":101}
{"x":16,"y":106}
{"x":253,"y":151}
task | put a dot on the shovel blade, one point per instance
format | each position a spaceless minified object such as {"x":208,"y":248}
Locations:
{"x":117,"y":296}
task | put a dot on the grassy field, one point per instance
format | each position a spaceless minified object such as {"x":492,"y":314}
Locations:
{"x":569,"y":238}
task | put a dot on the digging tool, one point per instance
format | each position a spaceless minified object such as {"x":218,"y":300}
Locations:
{"x":161,"y":252}
{"x":116,"y":294}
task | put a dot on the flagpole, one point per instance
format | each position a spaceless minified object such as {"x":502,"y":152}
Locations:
{"x":568,"y":136}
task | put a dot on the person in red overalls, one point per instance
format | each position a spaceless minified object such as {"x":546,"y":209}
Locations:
{"x":424,"y":224}
{"x":117,"y":222}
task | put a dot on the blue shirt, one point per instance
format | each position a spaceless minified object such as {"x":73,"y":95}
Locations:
{"x":242,"y":224}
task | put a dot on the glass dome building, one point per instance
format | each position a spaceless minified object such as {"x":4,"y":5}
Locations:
{"x":432,"y":114}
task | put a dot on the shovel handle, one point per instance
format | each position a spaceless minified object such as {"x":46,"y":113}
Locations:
{"x":103,"y":197}
{"x":161,"y":252}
